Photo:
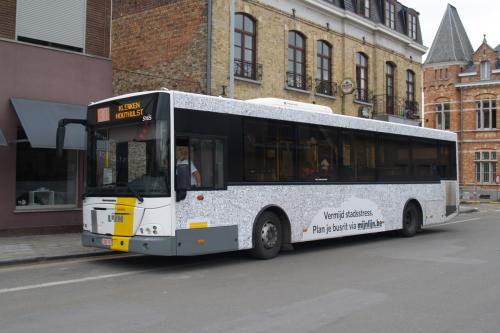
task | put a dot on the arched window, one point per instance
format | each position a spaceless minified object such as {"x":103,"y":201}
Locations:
{"x":362,"y":77}
{"x":411,"y":104}
{"x":323,"y":68}
{"x":296,"y":75}
{"x":389,"y":87}
{"x":244,"y":46}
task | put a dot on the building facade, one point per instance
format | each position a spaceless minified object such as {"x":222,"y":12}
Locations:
{"x":54,"y":60}
{"x":461,"y":92}
{"x":298,"y":50}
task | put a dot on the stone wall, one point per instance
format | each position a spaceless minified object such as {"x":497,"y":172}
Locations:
{"x":439,"y":87}
{"x":159,"y":44}
{"x":272,"y":30}
{"x":8,"y":19}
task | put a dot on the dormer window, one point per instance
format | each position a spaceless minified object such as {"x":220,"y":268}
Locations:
{"x":364,"y":8}
{"x":485,"y":70}
{"x":412,"y":26}
{"x":390,"y":14}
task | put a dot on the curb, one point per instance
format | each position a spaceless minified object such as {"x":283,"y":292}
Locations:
{"x":468,"y":210}
{"x":31,"y":260}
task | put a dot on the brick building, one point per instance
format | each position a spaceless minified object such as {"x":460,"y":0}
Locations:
{"x":461,"y":92}
{"x":299,"y":50}
{"x":54,"y":60}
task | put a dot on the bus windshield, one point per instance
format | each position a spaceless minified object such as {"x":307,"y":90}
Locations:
{"x":130,"y":159}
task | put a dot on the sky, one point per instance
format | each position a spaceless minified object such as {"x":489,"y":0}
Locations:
{"x":479,"y":17}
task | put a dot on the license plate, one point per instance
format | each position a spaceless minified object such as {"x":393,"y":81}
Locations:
{"x":106,"y":242}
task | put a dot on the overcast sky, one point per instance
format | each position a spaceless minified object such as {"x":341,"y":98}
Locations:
{"x":479,"y":17}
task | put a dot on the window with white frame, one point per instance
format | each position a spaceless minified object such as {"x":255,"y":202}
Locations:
{"x":412,"y":26}
{"x":363,"y":8}
{"x":485,"y":70}
{"x":486,"y":114}
{"x":390,"y":14}
{"x":443,"y":116}
{"x":486,"y":166}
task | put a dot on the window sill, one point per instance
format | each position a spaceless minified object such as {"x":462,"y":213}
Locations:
{"x":46,"y":210}
{"x":357,"y":101}
{"x":326,"y":96}
{"x":306,"y":92}
{"x":242,"y":79}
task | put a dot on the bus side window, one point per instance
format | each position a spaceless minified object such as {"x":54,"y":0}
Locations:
{"x":207,"y":155}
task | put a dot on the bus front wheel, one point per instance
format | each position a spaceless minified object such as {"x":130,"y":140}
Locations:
{"x":411,"y":220}
{"x":267,"y":236}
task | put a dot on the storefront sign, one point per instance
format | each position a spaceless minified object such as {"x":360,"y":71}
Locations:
{"x":347,"y":86}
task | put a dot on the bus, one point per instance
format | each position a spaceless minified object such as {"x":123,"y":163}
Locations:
{"x":178,"y":174}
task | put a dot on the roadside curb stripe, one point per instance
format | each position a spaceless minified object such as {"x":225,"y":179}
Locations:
{"x":60,"y":283}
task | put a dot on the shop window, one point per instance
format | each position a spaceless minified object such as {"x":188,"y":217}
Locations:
{"x":43,"y":180}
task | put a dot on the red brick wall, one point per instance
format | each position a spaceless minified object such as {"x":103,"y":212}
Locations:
{"x":159,"y":44}
{"x":8,"y":19}
{"x":444,"y":90}
{"x":98,"y":27}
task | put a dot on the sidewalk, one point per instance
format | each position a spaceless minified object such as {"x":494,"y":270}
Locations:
{"x":34,"y":248}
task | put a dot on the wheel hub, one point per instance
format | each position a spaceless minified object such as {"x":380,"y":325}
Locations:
{"x":269,"y":235}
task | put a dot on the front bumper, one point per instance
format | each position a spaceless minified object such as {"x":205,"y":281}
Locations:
{"x":186,"y":242}
{"x":163,"y":246}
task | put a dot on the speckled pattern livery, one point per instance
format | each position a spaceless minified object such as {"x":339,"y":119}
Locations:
{"x":240,"y":205}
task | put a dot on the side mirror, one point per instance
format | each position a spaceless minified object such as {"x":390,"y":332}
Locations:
{"x":61,"y":133}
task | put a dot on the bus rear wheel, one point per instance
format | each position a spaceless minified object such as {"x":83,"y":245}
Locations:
{"x":267,"y":236}
{"x":411,"y":220}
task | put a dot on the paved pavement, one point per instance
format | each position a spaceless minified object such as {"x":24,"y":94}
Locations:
{"x":34,"y":248}
{"x":443,"y":280}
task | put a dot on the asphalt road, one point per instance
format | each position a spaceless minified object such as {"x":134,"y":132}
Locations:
{"x":446,"y":279}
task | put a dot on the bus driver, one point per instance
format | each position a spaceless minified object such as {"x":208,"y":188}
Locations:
{"x":182,"y":155}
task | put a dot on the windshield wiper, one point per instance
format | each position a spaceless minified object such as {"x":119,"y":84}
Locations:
{"x":130,"y":188}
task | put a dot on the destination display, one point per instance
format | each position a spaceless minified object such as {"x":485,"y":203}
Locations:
{"x":138,"y":109}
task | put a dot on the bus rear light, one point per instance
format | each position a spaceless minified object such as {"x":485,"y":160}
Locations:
{"x":201,"y":241}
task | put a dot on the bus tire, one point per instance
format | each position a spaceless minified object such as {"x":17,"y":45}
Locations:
{"x":267,"y":236}
{"x":411,"y":220}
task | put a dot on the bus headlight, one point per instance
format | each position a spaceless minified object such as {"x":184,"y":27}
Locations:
{"x":149,"y":230}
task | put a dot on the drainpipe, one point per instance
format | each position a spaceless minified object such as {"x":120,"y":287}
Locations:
{"x":209,"y":48}
{"x":461,"y":145}
{"x":231,"y":49}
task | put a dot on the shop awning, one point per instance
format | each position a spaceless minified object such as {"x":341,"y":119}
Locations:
{"x":3,"y":142}
{"x":39,"y":120}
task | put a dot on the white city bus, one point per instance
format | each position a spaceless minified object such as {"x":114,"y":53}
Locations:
{"x":172,"y":173}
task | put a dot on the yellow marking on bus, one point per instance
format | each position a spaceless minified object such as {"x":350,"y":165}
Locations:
{"x":198,"y":225}
{"x":125,"y":207}
{"x":120,"y":243}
